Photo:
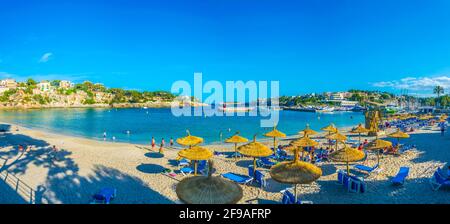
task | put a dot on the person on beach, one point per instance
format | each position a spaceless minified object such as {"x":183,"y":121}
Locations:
{"x":104,"y":135}
{"x":171,"y":142}
{"x":365,"y":142}
{"x":442,"y":129}
{"x":114,"y":138}
{"x":161,"y":146}
{"x":54,"y":148}
{"x":20,"y":148}
{"x":360,"y":147}
{"x":153,"y":143}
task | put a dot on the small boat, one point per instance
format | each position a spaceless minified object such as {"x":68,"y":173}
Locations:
{"x":325,"y":110}
{"x":236,"y":108}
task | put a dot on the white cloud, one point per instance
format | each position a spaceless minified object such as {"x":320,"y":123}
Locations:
{"x":416,"y":84}
{"x":45,"y":57}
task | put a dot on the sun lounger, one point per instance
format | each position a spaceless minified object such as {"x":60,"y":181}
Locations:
{"x":104,"y":196}
{"x":356,"y":185}
{"x":437,"y":181}
{"x":187,"y":170}
{"x":265,"y":162}
{"x":367,"y":169}
{"x":201,"y":168}
{"x":182,"y":162}
{"x":289,"y":198}
{"x":399,"y":179}
{"x":240,"y":179}
{"x":260,"y":179}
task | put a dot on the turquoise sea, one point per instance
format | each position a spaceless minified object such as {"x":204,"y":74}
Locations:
{"x":160,"y":123}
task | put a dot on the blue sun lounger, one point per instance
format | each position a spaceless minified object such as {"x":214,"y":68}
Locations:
{"x":265,"y":162}
{"x":399,"y":179}
{"x":240,"y":179}
{"x":104,"y":196}
{"x":437,"y":181}
{"x":189,"y":170}
{"x":366,"y":169}
{"x":289,"y":198}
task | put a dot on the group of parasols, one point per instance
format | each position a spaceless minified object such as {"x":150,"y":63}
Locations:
{"x":217,"y":190}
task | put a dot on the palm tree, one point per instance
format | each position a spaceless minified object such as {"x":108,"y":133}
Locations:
{"x":438,"y":90}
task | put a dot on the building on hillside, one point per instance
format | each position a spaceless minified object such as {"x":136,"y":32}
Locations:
{"x":347,"y":103}
{"x":337,"y":96}
{"x":43,"y":86}
{"x":65,"y":84}
{"x":8,"y":83}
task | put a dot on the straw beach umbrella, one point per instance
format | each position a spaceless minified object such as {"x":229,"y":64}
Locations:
{"x":296,"y":172}
{"x":275,"y":134}
{"x":236,"y":139}
{"x":189,"y":140}
{"x":377,"y":145}
{"x":255,"y":149}
{"x":195,"y":153}
{"x":347,"y":155}
{"x":338,"y":137}
{"x":299,"y":145}
{"x":330,"y":128}
{"x":308,"y":131}
{"x":208,"y":190}
{"x":398,"y":135}
{"x":360,"y":129}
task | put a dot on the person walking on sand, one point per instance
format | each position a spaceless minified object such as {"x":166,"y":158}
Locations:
{"x":153,"y":143}
{"x":161,"y":146}
{"x":104,"y":135}
{"x":171,"y":142}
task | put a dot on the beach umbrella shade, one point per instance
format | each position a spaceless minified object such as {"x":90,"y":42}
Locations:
{"x":376,"y":145}
{"x":398,"y":135}
{"x":301,"y":143}
{"x":189,"y":140}
{"x":295,"y":172}
{"x":338,"y":137}
{"x":236,"y":139}
{"x":195,"y":153}
{"x":330,"y":128}
{"x":208,"y":190}
{"x":255,"y":149}
{"x":347,"y":155}
{"x":308,"y":131}
{"x":275,"y":134}
{"x":360,"y":129}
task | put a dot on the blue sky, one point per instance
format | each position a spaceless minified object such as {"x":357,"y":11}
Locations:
{"x":309,"y":46}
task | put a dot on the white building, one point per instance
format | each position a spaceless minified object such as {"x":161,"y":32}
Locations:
{"x":346,"y":103}
{"x":65,"y":84}
{"x":337,"y":96}
{"x":43,"y":86}
{"x":8,"y":83}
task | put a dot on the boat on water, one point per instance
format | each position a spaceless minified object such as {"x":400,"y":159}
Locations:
{"x":235,"y":107}
{"x":326,"y":110}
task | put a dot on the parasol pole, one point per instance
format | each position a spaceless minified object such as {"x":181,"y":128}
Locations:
{"x":195,"y":168}
{"x":274,"y":143}
{"x":235,"y":151}
{"x":254,"y":166}
{"x":295,"y":193}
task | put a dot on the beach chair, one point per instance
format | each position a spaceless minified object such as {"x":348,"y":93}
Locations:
{"x":437,"y":181}
{"x":104,"y":196}
{"x":237,"y":178}
{"x":260,"y":179}
{"x":399,"y":179}
{"x":264,"y":162}
{"x":182,"y":162}
{"x":289,"y":198}
{"x":367,"y":169}
{"x":341,"y":176}
{"x":355,"y":185}
{"x":201,"y":168}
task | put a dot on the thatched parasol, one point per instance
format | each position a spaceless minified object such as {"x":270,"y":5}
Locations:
{"x":195,"y":153}
{"x":307,"y":131}
{"x":376,"y":145}
{"x":236,"y":139}
{"x":347,"y":155}
{"x":208,"y":190}
{"x":255,"y":149}
{"x":338,"y":137}
{"x":275,"y":134}
{"x":189,"y":140}
{"x":359,"y":130}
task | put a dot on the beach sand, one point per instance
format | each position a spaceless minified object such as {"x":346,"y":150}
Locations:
{"x":81,"y":167}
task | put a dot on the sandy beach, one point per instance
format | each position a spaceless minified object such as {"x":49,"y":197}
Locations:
{"x":82,"y":166}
